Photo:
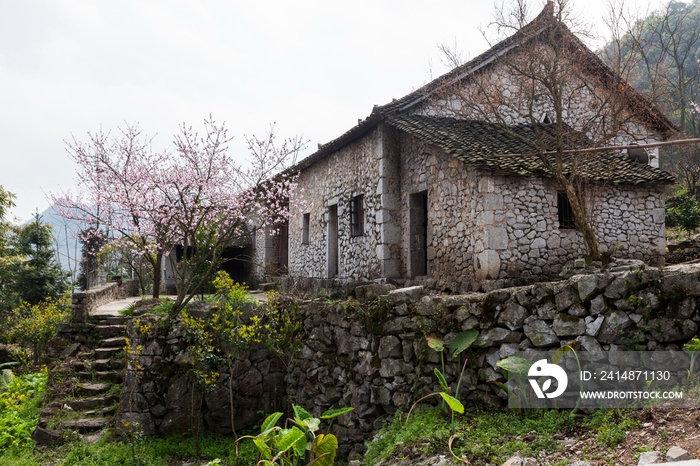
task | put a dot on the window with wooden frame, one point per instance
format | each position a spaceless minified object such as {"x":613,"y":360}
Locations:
{"x":566,"y":214}
{"x":357,"y":216}
{"x":305,"y":228}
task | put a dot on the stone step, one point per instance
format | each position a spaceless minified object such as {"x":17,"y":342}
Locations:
{"x":93,"y":389}
{"x":108,"y":364}
{"x":114,"y":342}
{"x":86,"y":424}
{"x":102,"y":376}
{"x":92,"y":403}
{"x":78,"y":366}
{"x":110,"y":376}
{"x":109,"y":331}
{"x":104,"y":353}
{"x":109,"y":320}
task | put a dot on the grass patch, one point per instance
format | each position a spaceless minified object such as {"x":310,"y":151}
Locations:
{"x":612,"y":426}
{"x":484,"y":437}
{"x":141,"y":452}
{"x":20,"y":403}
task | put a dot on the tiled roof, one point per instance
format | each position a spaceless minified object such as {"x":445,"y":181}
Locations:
{"x":478,"y":144}
{"x":640,"y":106}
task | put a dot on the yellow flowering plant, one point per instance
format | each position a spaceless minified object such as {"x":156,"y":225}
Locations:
{"x":33,"y":326}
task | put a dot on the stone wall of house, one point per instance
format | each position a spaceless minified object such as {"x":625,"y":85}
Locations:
{"x":334,"y":180}
{"x":487,"y":226}
{"x":631,"y":221}
{"x":370,"y":351}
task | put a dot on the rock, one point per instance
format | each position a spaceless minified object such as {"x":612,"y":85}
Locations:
{"x":56,"y":346}
{"x":598,"y":305}
{"x":684,"y":282}
{"x":519,"y":460}
{"x":366,"y":293}
{"x":547,"y":311}
{"x":406,"y":295}
{"x":650,"y":457}
{"x":577,"y":310}
{"x":564,"y":297}
{"x":613,"y":327}
{"x":70,"y":351}
{"x":496,"y":336}
{"x":426,"y":306}
{"x":390,"y":347}
{"x":665,"y":329}
{"x":199,"y":309}
{"x":591,"y":345}
{"x":565,"y":325}
{"x":512,"y":316}
{"x":593,"y":326}
{"x":47,"y":437}
{"x":618,"y":288}
{"x":586,"y":285}
{"x":676,"y":453}
{"x":540,"y":333}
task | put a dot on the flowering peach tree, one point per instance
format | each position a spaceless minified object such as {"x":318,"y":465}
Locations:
{"x":193,"y":196}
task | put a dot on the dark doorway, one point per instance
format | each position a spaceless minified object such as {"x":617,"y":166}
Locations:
{"x":418,"y":232}
{"x":332,"y":252}
{"x":283,"y":252}
{"x":238,"y":263}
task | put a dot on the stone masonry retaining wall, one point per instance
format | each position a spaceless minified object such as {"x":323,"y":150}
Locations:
{"x":85,"y":302}
{"x":370,"y":352}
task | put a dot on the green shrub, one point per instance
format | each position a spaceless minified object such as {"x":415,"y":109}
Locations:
{"x":20,"y":404}
{"x":684,"y":211}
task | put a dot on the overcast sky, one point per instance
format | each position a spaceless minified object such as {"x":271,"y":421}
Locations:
{"x":314,"y":67}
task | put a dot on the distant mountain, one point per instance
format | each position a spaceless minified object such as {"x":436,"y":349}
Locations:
{"x":65,"y":234}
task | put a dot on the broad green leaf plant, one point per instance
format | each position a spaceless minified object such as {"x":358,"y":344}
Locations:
{"x":298,"y":445}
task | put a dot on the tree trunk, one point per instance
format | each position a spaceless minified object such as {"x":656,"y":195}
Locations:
{"x":583,"y":224}
{"x":157,"y":274}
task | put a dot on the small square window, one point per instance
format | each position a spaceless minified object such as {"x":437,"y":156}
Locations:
{"x":357,"y":216}
{"x":566,"y":214}
{"x":305,"y":228}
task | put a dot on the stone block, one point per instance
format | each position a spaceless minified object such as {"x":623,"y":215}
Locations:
{"x":613,"y":327}
{"x":487,"y":265}
{"x":565,"y":325}
{"x":650,"y":457}
{"x":512,"y":316}
{"x":666,"y":330}
{"x":492,"y":201}
{"x":540,"y":333}
{"x":495,"y":238}
{"x":586,"y":285}
{"x":497,"y":336}
{"x":390,"y":234}
{"x":676,"y":453}
{"x":365,"y":293}
{"x":390,"y":347}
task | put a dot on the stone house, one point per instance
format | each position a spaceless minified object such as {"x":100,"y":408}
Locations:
{"x":416,"y":194}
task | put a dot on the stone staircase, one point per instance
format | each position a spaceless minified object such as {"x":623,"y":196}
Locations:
{"x":85,"y":379}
